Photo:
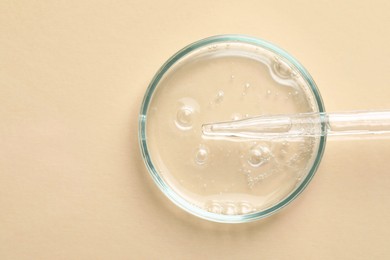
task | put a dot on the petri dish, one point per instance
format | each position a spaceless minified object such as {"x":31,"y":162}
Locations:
{"x":222,"y":78}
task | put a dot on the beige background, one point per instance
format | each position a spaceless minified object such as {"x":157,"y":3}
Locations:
{"x":72,"y":182}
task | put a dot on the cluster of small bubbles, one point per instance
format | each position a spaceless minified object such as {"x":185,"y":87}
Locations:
{"x":184,"y":118}
{"x":306,"y":151}
{"x":250,"y":181}
{"x":253,"y":180}
{"x":281,"y":69}
{"x":229,"y":207}
{"x":219,"y":97}
{"x":201,"y":155}
{"x":258,"y":156}
{"x":212,"y":48}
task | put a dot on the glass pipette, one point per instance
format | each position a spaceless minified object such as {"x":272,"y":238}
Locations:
{"x":354,"y":124}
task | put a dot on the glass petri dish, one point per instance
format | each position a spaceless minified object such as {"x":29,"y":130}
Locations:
{"x":224,"y":78}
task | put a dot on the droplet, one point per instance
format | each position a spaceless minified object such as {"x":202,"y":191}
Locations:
{"x":247,"y":85}
{"x":236,"y":116}
{"x":258,"y":156}
{"x":184,"y":118}
{"x":201,"y":155}
{"x":219,"y":97}
{"x":214,"y":207}
{"x":230,"y":209}
{"x":245,"y":207}
{"x":268,"y":92}
{"x":232,"y":77}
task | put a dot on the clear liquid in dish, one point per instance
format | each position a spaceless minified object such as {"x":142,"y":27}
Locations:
{"x":222,"y":83}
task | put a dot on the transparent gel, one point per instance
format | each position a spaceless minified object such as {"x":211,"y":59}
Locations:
{"x":224,"y":81}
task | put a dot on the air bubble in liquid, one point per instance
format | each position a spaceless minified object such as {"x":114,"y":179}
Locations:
{"x":184,"y":118}
{"x":214,"y":207}
{"x":230,"y":209}
{"x":258,"y":156}
{"x":219,"y":97}
{"x":201,"y":155}
{"x":281,"y":69}
{"x":245,"y":207}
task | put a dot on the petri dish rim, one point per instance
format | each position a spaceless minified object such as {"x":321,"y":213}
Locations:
{"x":166,"y":189}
